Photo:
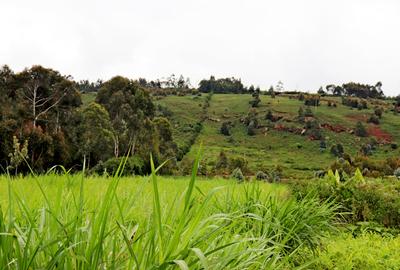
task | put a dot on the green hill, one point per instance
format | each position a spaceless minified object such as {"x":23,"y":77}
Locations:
{"x":280,"y":142}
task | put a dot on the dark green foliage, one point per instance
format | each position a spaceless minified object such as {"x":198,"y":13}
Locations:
{"x":378,"y":111}
{"x":337,"y":150}
{"x":256,"y":101}
{"x":238,"y":175}
{"x":226,"y":85}
{"x":366,"y":149}
{"x":269,"y":116}
{"x":360,"y":130}
{"x":134,"y":166}
{"x":225,"y":128}
{"x":356,"y":103}
{"x":39,"y":105}
{"x":251,"y":128}
{"x":311,"y":100}
{"x":222,"y":162}
{"x":238,"y":162}
{"x":301,"y":116}
{"x":322,"y":144}
{"x":260,"y":175}
{"x":308,"y":112}
{"x":271,"y":92}
{"x":95,"y":134}
{"x":373,"y":119}
{"x":321,"y":91}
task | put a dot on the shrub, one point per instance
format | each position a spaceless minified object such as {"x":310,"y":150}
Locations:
{"x":370,"y":201}
{"x":134,"y":166}
{"x":238,"y":175}
{"x":225,"y":128}
{"x":260,"y":175}
{"x":373,"y":119}
{"x":360,"y":130}
{"x":222,"y":161}
{"x":269,"y":116}
{"x":238,"y":162}
{"x":251,"y":129}
{"x":366,"y":149}
{"x":322,"y":144}
{"x":308,"y":112}
{"x":378,"y":111}
{"x":337,"y":150}
{"x":312,"y":100}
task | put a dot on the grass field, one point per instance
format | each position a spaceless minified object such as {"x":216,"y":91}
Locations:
{"x":73,"y":222}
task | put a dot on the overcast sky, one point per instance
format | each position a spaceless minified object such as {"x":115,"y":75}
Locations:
{"x":305,"y":44}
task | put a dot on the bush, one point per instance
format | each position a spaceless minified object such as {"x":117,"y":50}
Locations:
{"x":238,"y":175}
{"x":337,"y":150}
{"x":360,"y":130}
{"x":134,"y":166}
{"x":308,"y":112}
{"x":373,"y":119}
{"x":251,"y":129}
{"x":378,"y":111}
{"x":260,"y":175}
{"x":238,"y":162}
{"x":372,"y":201}
{"x":222,"y":162}
{"x":225,"y":128}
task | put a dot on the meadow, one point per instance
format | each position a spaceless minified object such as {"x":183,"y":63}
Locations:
{"x":65,"y":221}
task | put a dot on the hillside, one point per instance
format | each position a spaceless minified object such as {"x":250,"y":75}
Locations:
{"x":280,"y":142}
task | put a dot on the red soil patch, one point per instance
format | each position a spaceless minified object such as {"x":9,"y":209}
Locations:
{"x":379,"y":134}
{"x":358,"y":117}
{"x":334,"y":128}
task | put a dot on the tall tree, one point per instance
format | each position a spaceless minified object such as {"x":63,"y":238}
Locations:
{"x":129,"y":106}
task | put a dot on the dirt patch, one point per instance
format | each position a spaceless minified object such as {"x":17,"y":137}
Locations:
{"x":357,"y":117}
{"x":335,"y":128}
{"x":379,"y":134}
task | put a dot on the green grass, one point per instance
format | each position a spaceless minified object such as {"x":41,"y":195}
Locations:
{"x":73,"y":222}
{"x":87,"y":98}
{"x":366,"y":252}
{"x":186,"y":112}
{"x":270,"y":148}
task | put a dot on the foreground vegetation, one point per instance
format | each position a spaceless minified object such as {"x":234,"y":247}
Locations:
{"x":79,"y":222}
{"x":195,"y":227}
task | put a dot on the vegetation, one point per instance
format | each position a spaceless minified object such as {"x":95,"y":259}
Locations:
{"x":334,"y":154}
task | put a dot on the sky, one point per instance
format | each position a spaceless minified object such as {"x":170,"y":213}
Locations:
{"x":303,"y":43}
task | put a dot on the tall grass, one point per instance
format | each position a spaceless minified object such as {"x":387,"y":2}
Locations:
{"x":195,"y":230}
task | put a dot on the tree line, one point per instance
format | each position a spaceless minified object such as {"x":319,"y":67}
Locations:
{"x":43,"y":122}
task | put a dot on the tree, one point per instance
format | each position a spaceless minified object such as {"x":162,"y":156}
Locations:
{"x":271,"y":92}
{"x":95,"y":131}
{"x":45,"y":91}
{"x":279,"y":86}
{"x":321,"y":91}
{"x":222,"y":86}
{"x":129,"y":107}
